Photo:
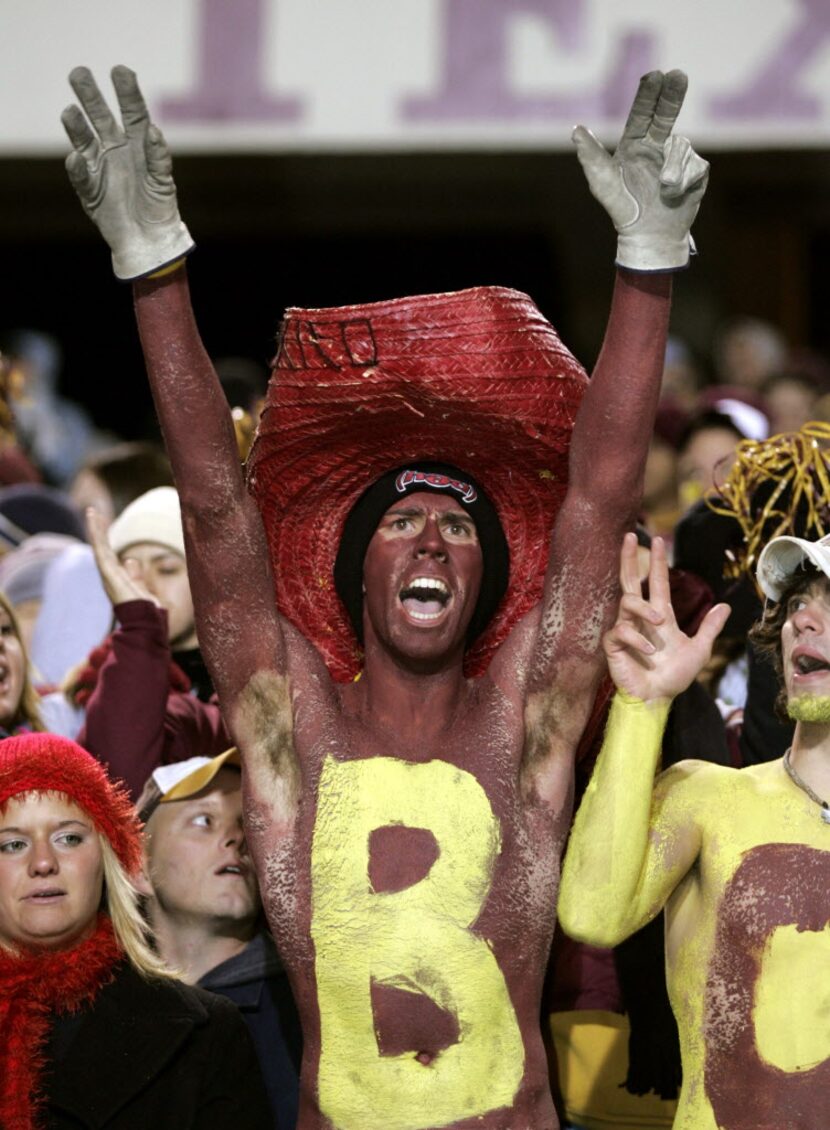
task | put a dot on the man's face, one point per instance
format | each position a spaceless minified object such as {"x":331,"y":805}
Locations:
{"x":164,"y":573}
{"x":197,"y":864}
{"x":421,"y":576}
{"x":51,"y":872}
{"x":805,"y":647}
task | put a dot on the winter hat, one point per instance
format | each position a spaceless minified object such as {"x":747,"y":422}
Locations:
{"x":155,"y":517}
{"x":477,"y":378}
{"x":39,"y":763}
{"x":23,"y":570}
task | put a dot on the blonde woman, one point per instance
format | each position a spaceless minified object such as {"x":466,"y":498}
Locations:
{"x":95,"y":1030}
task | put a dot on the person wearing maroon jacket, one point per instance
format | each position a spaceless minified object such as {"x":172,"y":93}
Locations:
{"x":148,"y":699}
{"x":407,"y":827}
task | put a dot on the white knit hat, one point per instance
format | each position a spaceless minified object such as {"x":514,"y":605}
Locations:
{"x":155,"y":517}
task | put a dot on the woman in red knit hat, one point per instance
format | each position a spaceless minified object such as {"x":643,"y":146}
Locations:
{"x":96,"y":1032}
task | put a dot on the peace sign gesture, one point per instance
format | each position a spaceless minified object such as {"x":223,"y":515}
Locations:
{"x":122,"y":173}
{"x":652,"y":185}
{"x":648,"y":656}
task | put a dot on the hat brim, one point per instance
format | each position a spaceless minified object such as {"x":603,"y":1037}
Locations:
{"x":783,"y":557}
{"x":478,"y":379}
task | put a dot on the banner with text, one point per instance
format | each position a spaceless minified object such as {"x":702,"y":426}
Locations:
{"x":358,"y":75}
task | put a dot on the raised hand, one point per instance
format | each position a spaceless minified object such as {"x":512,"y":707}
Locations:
{"x":123,"y":176}
{"x":653,"y":184}
{"x":648,"y":656}
{"x":122,"y":581}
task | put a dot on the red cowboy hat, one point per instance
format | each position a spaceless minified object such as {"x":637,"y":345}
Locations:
{"x":476,"y":378}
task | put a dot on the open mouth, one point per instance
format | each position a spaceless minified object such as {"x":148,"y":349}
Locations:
{"x":425,"y":598}
{"x":5,"y":677}
{"x":231,"y":869}
{"x":810,"y":664}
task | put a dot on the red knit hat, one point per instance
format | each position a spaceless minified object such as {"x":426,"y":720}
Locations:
{"x":476,"y":378}
{"x":40,"y":763}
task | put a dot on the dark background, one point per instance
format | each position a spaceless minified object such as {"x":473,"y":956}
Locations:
{"x":322,"y":230}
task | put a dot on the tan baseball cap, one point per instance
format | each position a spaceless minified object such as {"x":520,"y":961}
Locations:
{"x":182,"y":779}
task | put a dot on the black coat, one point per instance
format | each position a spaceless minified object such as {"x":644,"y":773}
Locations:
{"x":155,"y":1056}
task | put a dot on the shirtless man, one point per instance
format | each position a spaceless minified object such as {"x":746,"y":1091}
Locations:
{"x":739,"y":858}
{"x":407,"y":827}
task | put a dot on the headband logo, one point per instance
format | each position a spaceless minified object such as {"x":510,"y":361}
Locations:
{"x":437,"y":482}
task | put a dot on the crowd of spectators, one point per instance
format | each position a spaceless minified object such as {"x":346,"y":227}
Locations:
{"x":98,"y":644}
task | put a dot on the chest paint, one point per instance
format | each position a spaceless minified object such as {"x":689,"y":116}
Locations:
{"x":768,"y":1044}
{"x":417,"y":941}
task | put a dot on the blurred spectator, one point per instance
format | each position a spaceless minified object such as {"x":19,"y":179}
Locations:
{"x":792,"y":396}
{"x":22,"y":578}
{"x":115,"y":476}
{"x":19,"y":704}
{"x":57,"y":433}
{"x":29,"y":508}
{"x":661,"y":504}
{"x":682,"y":379}
{"x":202,"y":902}
{"x":748,"y":351}
{"x":705,"y":454}
{"x":244,"y":383}
{"x":149,"y":699}
{"x":75,"y":616}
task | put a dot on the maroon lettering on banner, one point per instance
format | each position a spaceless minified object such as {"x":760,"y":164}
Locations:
{"x":775,"y":885}
{"x":772,"y":91}
{"x":475,"y":83}
{"x":230,"y":84}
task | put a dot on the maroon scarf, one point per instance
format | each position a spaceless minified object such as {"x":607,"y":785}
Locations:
{"x":34,"y":986}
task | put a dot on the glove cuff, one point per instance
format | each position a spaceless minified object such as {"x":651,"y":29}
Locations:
{"x":146,"y":256}
{"x":641,"y":253}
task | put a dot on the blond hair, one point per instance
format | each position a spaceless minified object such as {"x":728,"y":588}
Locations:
{"x":27,"y":712}
{"x":121,"y":902}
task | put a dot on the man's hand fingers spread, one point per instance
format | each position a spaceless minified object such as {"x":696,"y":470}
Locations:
{"x":96,"y":109}
{"x":134,"y":113}
{"x":635,"y":608}
{"x":629,"y":567}
{"x":625,"y":637}
{"x":659,"y":590}
{"x":669,"y":103}
{"x":642,"y":108}
{"x":711,"y":626}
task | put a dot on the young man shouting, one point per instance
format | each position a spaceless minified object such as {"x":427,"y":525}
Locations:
{"x":739,"y":858}
{"x":407,"y":827}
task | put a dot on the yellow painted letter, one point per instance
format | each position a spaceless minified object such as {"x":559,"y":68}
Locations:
{"x":417,"y":939}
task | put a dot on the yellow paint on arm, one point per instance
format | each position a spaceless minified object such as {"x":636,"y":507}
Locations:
{"x":628,"y":847}
{"x":419,"y":938}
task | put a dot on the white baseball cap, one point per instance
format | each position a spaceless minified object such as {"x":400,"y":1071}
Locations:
{"x":783,"y":557}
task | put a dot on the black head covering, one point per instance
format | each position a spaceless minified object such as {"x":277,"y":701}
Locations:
{"x":422,"y":475}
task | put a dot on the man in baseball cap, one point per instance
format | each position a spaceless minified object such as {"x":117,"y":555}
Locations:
{"x":202,"y":902}
{"x":739,"y":858}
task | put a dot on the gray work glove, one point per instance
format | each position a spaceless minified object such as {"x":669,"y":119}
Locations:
{"x":652,"y":186}
{"x":123,"y":176}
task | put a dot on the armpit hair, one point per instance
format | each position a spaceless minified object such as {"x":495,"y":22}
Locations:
{"x":264,"y":728}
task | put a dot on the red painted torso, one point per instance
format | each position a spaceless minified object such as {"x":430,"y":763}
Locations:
{"x":516,"y":917}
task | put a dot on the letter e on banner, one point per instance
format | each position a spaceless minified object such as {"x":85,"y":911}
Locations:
{"x":419,"y":939}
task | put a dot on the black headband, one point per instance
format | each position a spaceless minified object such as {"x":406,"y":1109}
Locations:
{"x":422,"y":475}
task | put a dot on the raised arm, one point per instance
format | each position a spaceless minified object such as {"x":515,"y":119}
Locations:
{"x":633,"y":842}
{"x":651,"y":188}
{"x":122,"y":174}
